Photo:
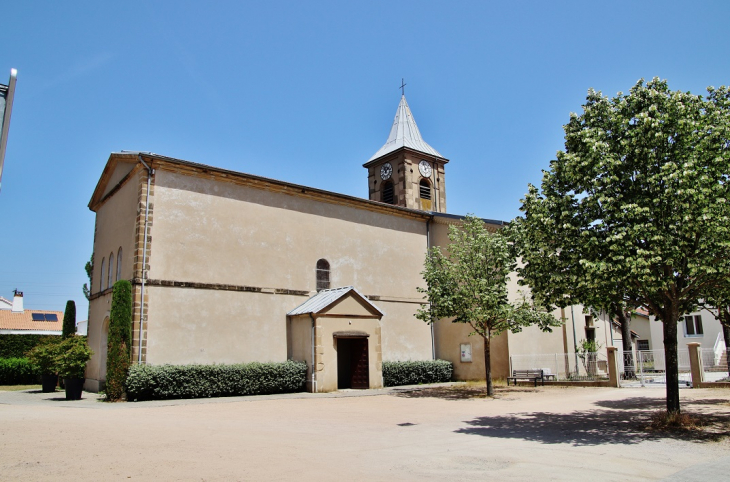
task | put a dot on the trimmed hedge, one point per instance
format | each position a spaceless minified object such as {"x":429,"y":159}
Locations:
{"x":416,"y":372}
{"x":17,"y":371}
{"x":16,"y":346}
{"x":159,"y":382}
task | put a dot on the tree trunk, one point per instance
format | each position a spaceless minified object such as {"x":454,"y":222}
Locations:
{"x":625,"y":321}
{"x":488,"y":366}
{"x":670,"y":318}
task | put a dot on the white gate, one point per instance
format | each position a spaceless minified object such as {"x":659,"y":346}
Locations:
{"x":647,"y":368}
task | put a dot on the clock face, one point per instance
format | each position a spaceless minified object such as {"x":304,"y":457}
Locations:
{"x":385,"y":171}
{"x":425,"y":168}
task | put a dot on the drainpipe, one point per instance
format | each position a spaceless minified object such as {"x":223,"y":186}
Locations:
{"x":428,"y":246}
{"x":150,"y":173}
{"x":314,"y":365}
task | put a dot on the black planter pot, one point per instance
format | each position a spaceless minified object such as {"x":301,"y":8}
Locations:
{"x":49,"y":383}
{"x":74,"y":387}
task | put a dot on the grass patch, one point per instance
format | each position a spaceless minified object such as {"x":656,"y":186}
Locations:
{"x":17,"y":388}
{"x":674,"y":422}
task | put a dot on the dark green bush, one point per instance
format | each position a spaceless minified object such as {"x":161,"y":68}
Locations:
{"x":416,"y":372}
{"x":16,"y":346}
{"x":45,"y":355}
{"x":69,"y":320}
{"x":120,"y":340}
{"x":159,"y":382}
{"x":73,"y":354}
{"x":17,"y":371}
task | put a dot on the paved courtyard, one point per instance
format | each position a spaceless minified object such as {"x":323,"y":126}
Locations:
{"x":441,"y":433}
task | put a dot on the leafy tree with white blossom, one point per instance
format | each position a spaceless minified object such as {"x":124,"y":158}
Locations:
{"x":636,"y":206}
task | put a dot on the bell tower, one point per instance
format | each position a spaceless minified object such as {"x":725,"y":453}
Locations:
{"x":407,"y":171}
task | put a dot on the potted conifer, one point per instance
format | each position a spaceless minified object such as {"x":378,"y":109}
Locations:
{"x":44,"y":356}
{"x":71,"y":361}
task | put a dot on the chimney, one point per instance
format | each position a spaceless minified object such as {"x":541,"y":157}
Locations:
{"x":17,"y":302}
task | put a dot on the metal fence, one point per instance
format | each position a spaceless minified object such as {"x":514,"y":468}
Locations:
{"x":648,"y":367}
{"x":714,"y":364}
{"x":565,"y":366}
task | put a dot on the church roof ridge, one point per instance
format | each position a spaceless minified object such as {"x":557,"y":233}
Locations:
{"x":404,"y":133}
{"x":291,"y":188}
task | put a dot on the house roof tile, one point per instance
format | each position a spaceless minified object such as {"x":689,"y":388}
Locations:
{"x":24,"y":321}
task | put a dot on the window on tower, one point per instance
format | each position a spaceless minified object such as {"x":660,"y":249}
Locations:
{"x":323,"y":275}
{"x":388,"y":192}
{"x":425,"y":189}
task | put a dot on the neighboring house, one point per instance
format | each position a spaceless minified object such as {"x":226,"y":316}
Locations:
{"x":82,"y":327}
{"x":697,"y":327}
{"x":19,"y":321}
{"x":5,"y":304}
{"x":220,"y":260}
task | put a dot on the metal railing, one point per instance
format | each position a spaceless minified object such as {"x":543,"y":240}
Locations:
{"x":648,"y":367}
{"x":714,"y":364}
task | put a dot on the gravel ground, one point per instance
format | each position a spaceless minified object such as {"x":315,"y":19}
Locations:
{"x":446,"y":432}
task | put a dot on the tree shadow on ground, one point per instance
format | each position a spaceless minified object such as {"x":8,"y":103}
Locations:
{"x":623,"y":422}
{"x":458,"y":392}
{"x":659,"y":403}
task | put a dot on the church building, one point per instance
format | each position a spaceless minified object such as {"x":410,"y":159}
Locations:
{"x":230,"y":267}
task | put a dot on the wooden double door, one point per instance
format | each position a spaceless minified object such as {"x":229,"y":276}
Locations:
{"x":353,"y":364}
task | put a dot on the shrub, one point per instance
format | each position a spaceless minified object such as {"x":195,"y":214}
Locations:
{"x":73,"y":354}
{"x":150,"y":382}
{"x":69,"y":320}
{"x":17,"y":371}
{"x":43,"y":356}
{"x":416,"y":372}
{"x":16,"y":346}
{"x":120,"y":340}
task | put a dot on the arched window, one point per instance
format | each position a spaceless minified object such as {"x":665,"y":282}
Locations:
{"x":323,"y":275}
{"x":102,"y":275}
{"x":119,"y":264}
{"x":425,"y":189}
{"x":388,"y":192}
{"x":110,"y":275}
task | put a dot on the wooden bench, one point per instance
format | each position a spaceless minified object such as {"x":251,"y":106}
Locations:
{"x":527,"y":375}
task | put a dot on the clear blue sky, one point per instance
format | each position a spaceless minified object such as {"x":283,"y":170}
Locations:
{"x":306,"y":92}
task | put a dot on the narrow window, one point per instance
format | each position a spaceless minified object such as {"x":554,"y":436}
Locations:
{"x":323,"y":275}
{"x":642,"y":345}
{"x":110,"y":275}
{"x":425,"y":189}
{"x":102,"y":276}
{"x":119,"y":264}
{"x":693,"y":325}
{"x":388,"y":192}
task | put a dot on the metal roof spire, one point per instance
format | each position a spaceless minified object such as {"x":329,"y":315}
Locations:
{"x":404,"y":132}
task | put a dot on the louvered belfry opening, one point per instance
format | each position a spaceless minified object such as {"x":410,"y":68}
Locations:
{"x":388,"y":192}
{"x":425,"y":189}
{"x":323,"y":275}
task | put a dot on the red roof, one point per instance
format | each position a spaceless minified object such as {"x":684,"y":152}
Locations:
{"x":24,"y":321}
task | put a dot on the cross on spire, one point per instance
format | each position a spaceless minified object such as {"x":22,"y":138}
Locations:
{"x":403,"y":86}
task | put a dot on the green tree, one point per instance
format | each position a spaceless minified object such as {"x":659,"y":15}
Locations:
{"x":470,"y":286}
{"x":119,"y":353}
{"x":89,"y":268}
{"x":69,"y":320}
{"x":636,"y":206}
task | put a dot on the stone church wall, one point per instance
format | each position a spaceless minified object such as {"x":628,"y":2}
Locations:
{"x":251,"y":255}
{"x":114,"y":228}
